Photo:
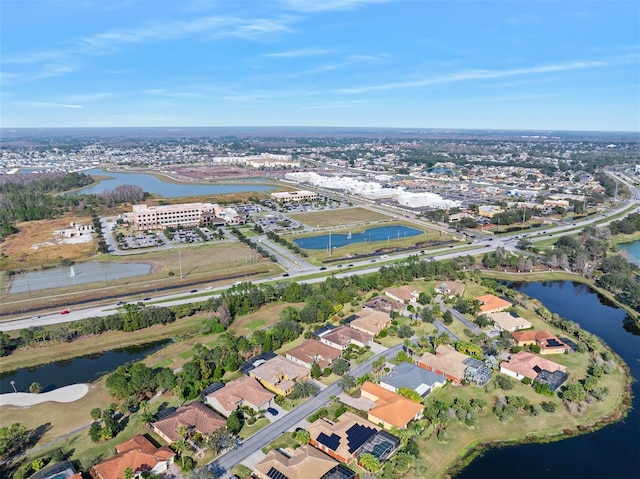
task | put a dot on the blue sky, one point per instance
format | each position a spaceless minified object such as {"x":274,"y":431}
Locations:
{"x":543,"y":65}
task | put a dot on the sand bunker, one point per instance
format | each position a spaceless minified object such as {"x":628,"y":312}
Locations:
{"x":64,"y":394}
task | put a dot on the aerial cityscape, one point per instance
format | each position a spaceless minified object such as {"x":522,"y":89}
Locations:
{"x":350,"y":239}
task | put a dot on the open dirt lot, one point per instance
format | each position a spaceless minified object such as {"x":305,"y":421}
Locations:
{"x":36,"y":245}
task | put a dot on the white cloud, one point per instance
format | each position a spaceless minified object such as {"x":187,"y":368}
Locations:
{"x":311,"y":6}
{"x":301,"y":52}
{"x":46,"y":104}
{"x":469,"y":75}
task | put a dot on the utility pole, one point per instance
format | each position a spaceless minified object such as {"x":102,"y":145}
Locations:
{"x":180,"y":263}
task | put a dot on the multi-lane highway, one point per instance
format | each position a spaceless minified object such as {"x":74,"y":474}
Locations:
{"x":302,"y":272}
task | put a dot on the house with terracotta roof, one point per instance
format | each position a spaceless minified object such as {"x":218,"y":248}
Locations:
{"x":505,"y":321}
{"x":545,"y":340}
{"x":391,"y":409}
{"x":403,"y":294}
{"x":195,"y":417}
{"x":492,"y":304}
{"x":385,"y":305}
{"x":342,"y":336}
{"x":447,"y":361}
{"x":245,"y":391}
{"x":139,"y":454}
{"x":313,"y":351}
{"x":370,"y":322}
{"x":528,"y":365}
{"x":279,"y":374}
{"x":413,"y":377}
{"x":342,"y":439}
{"x":305,"y":462}
{"x":449,"y":288}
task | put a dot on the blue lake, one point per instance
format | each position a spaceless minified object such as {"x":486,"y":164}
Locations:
{"x":632,"y":251}
{"x":611,"y":452}
{"x":384,"y":233}
{"x":154,"y":185}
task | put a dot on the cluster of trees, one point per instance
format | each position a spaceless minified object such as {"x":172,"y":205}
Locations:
{"x":13,"y":439}
{"x":265,"y":254}
{"x":105,"y":424}
{"x":293,"y":247}
{"x":122,"y":194}
{"x":136,"y":381}
{"x":30,"y":197}
{"x":621,"y":278}
{"x":629,"y":225}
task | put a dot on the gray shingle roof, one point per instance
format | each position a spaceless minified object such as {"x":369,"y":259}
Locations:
{"x":413,"y":377}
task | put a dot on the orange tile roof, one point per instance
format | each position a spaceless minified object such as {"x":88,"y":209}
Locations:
{"x":492,"y":303}
{"x":306,"y":462}
{"x":138,"y":453}
{"x":238,"y":391}
{"x":196,"y":415}
{"x":404,"y":293}
{"x":391,"y":408}
{"x":523,"y":363}
{"x":313,"y":351}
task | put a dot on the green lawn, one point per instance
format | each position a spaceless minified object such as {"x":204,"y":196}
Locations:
{"x":249,"y":430}
{"x":281,"y":442}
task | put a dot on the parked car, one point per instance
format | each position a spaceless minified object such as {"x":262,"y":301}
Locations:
{"x":272,"y":411}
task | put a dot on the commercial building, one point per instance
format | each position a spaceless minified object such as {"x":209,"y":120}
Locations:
{"x":294,"y":196}
{"x":159,"y":217}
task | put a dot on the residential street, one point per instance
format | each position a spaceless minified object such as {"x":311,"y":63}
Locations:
{"x":223,"y":464}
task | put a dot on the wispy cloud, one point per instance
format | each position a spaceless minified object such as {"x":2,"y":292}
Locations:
{"x":46,"y":104}
{"x":311,"y":6}
{"x":470,"y":75}
{"x":299,"y":53}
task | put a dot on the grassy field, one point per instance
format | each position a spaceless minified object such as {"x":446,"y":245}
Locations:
{"x":340,"y":217}
{"x":204,"y":264}
{"x":437,"y":456}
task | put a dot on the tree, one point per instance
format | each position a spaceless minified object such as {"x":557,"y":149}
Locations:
{"x":410,"y":394}
{"x":369,"y":462}
{"x":347,"y":382}
{"x":12,"y":439}
{"x":128,"y":473}
{"x":340,"y":367}
{"x":96,"y":413}
{"x":316,"y":372}
{"x":35,"y":388}
{"x":302,"y":436}
{"x":234,"y":422}
{"x":304,"y":389}
{"x":503,"y":382}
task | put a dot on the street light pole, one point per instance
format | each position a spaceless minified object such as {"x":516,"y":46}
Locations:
{"x":13,"y":385}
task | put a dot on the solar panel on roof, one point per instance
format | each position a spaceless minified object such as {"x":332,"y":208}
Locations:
{"x":165,"y":412}
{"x":332,"y":442}
{"x":357,"y":435}
{"x":273,"y":473}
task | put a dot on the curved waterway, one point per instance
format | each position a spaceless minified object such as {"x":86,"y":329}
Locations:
{"x":611,"y":452}
{"x":154,"y":185}
{"x":84,"y":369}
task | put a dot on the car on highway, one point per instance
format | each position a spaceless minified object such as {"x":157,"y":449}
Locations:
{"x":285,"y":275}
{"x":148,"y":298}
{"x":350,"y":266}
{"x":65,"y":311}
{"x":323,"y":268}
{"x":36,"y":317}
{"x":120,"y":303}
{"x":272,"y":411}
{"x":373,"y":261}
{"x":193,"y":291}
